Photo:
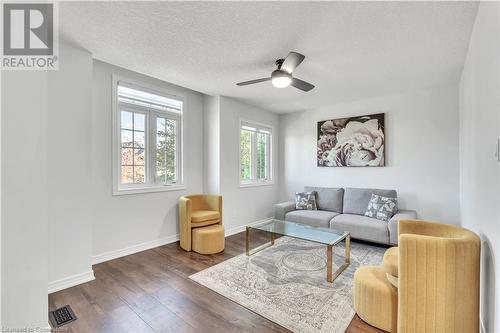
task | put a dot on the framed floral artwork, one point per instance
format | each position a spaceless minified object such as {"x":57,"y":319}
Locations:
{"x":352,"y":142}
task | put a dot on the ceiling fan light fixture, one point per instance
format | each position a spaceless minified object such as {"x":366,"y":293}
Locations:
{"x":281,"y":79}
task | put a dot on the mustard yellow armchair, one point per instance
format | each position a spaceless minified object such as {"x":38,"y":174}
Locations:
{"x":196,"y":211}
{"x":429,"y":283}
{"x":438,"y":278}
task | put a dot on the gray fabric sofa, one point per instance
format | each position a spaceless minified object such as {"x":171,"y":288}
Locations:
{"x":344,"y":209}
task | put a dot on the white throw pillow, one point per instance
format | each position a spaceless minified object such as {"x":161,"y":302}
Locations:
{"x":305,"y":200}
{"x":382,"y":208}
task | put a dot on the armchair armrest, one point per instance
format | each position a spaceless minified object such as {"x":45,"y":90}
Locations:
{"x":281,"y":209}
{"x":185,"y":208}
{"x":214,"y":201}
{"x":402,"y":214}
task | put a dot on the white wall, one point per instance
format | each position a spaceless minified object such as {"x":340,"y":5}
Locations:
{"x":24,"y":199}
{"x":421,"y":151}
{"x":479,"y":170}
{"x":211,"y":144}
{"x":243,"y":205}
{"x":87,"y":222}
{"x":128,"y":220}
{"x":69,"y":154}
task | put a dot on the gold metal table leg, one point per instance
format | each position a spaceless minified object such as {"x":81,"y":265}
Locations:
{"x":348,"y":249}
{"x":330,"y":277}
{"x":329,"y":263}
{"x":247,"y":241}
{"x":258,"y":248}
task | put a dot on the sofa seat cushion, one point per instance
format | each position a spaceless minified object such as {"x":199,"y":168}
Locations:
{"x":390,"y":261}
{"x":362,"y":227}
{"x":198,"y":216}
{"x":316,"y":218}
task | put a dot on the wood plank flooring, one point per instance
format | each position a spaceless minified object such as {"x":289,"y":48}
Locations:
{"x":151,"y":291}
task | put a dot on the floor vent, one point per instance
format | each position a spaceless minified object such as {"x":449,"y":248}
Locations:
{"x":61,"y":316}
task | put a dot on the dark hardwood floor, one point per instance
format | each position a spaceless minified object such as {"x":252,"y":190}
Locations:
{"x":151,"y":291}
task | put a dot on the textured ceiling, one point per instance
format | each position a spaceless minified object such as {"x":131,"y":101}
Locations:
{"x":353,"y":49}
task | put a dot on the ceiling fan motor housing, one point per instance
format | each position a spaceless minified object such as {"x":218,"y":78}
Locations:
{"x":280,"y":73}
{"x":281,"y":78}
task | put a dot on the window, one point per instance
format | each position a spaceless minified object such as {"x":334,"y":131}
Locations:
{"x":147,"y":140}
{"x":255,"y":154}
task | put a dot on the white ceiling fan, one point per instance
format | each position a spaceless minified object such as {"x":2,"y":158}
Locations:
{"x":282,"y":77}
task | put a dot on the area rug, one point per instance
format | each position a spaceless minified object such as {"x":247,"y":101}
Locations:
{"x":286,"y":283}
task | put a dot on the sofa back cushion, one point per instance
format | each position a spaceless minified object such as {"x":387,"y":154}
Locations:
{"x":356,"y":199}
{"x":329,"y":198}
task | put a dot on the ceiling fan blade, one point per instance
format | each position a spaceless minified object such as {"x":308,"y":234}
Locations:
{"x":302,"y":85}
{"x":245,"y":83}
{"x":292,"y":61}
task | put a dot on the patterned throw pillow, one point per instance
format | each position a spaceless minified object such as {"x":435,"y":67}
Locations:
{"x":305,"y":200}
{"x":382,"y":208}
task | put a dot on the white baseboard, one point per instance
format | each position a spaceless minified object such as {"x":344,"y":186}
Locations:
{"x":77,"y":279}
{"x":71,"y":281}
{"x":158,"y":242}
{"x":106,"y":256}
{"x":241,"y":228}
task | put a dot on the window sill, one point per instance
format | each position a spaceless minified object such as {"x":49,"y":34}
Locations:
{"x":149,"y":189}
{"x":255,"y":184}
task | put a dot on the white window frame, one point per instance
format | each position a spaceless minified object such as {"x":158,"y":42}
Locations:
{"x":254,"y":181}
{"x":150,"y":184}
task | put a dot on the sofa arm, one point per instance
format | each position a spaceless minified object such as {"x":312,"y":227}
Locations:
{"x":281,"y":209}
{"x":393,"y":223}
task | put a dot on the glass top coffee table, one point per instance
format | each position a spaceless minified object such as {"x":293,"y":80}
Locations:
{"x":325,"y":236}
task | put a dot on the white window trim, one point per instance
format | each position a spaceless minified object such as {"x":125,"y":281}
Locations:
{"x":118,"y":188}
{"x":254,"y":182}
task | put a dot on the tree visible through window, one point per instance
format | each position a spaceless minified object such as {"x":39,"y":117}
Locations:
{"x":132,"y":147}
{"x":246,"y":154}
{"x":262,"y":170}
{"x":149,"y":126}
{"x":255,"y":153}
{"x":166,"y":161}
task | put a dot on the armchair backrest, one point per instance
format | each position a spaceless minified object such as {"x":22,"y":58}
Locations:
{"x":438,"y":278}
{"x":205,"y":202}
